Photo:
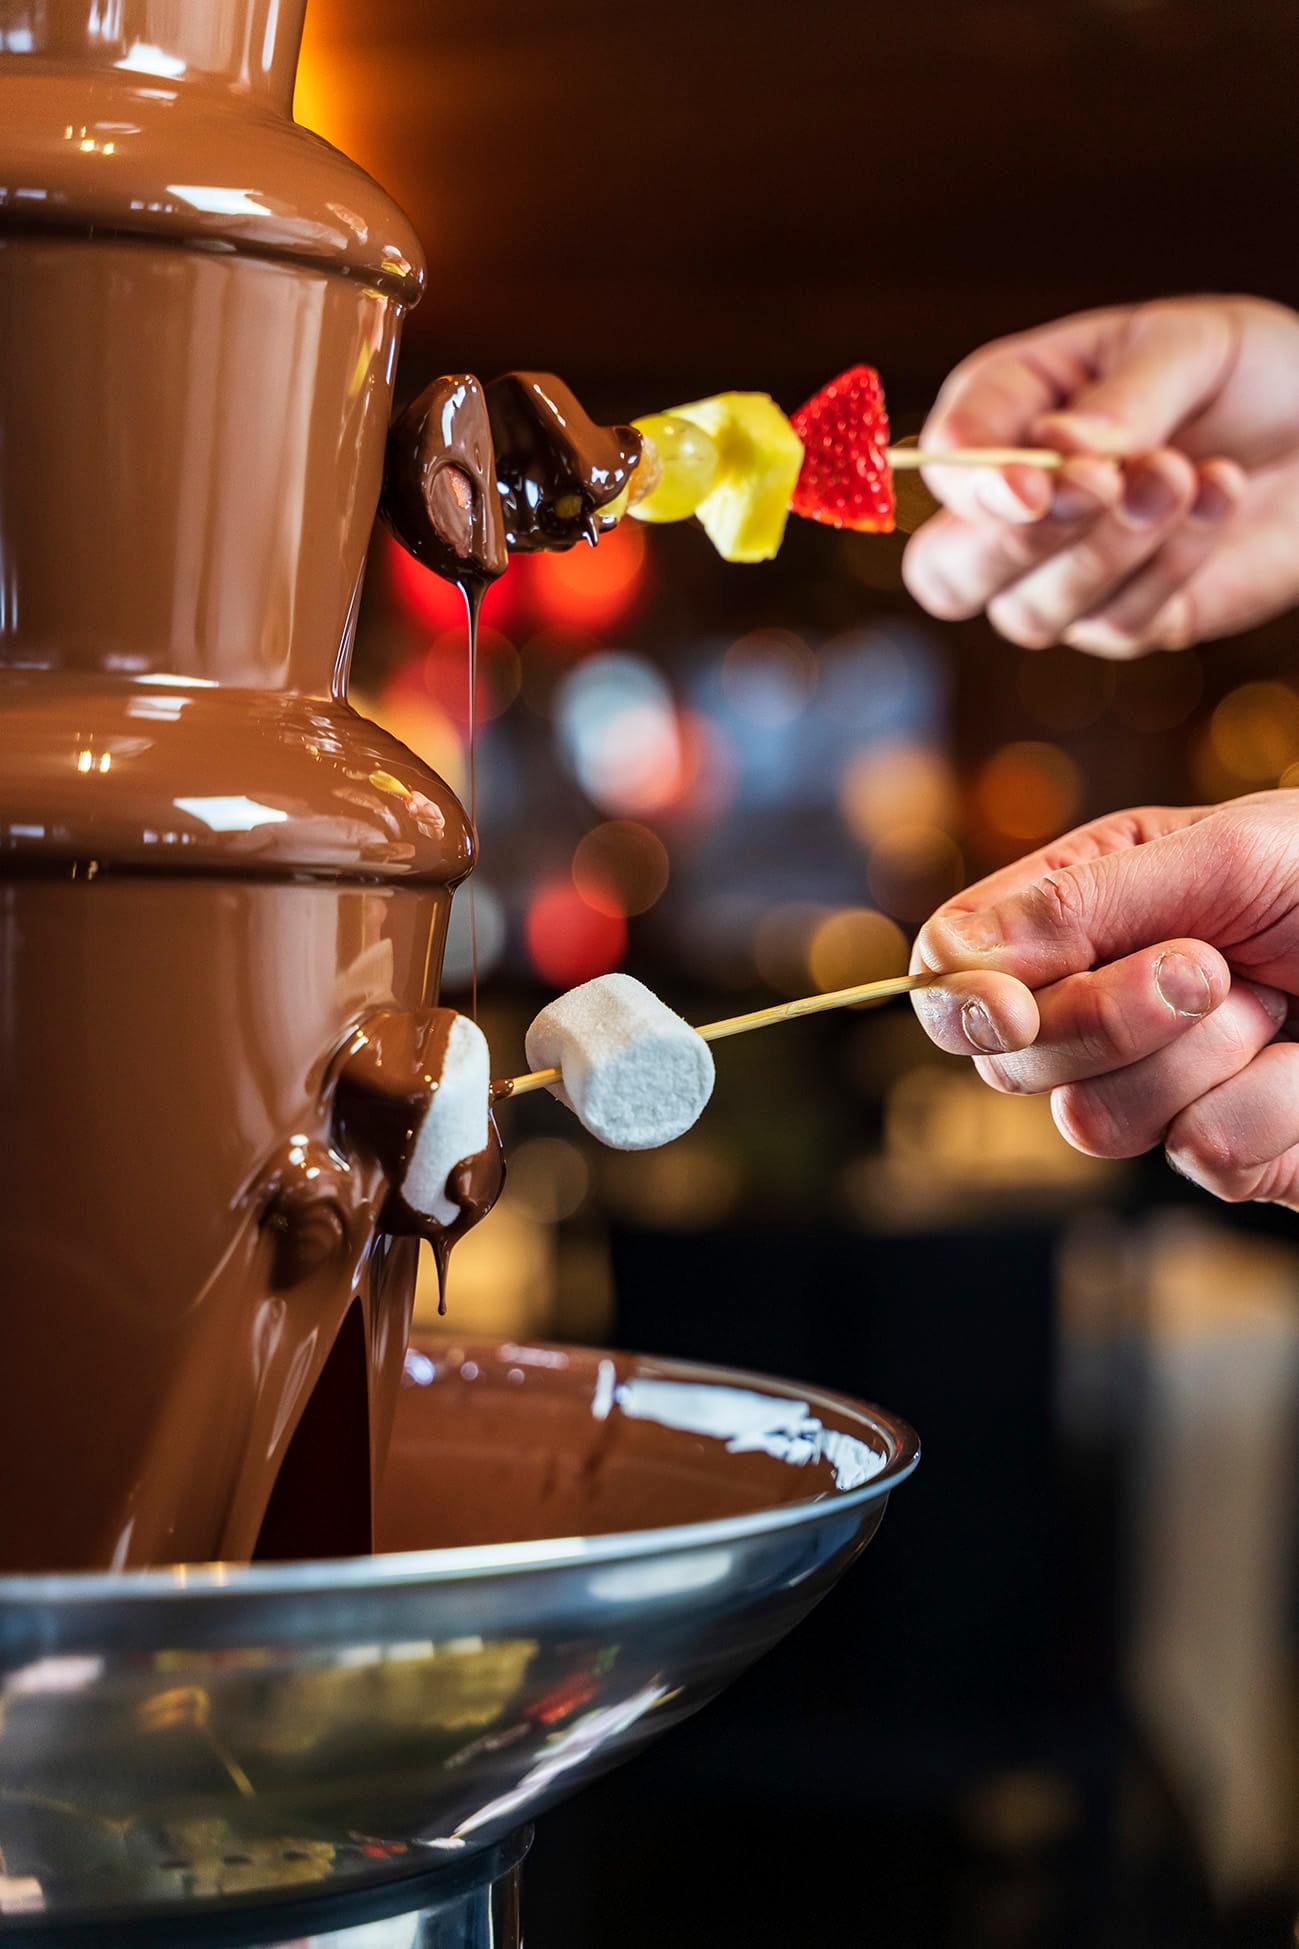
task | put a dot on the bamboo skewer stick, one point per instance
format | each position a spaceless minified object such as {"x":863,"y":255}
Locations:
{"x":900,"y":458}
{"x":762,"y":1018}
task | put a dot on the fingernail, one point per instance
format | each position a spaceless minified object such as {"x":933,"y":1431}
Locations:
{"x":955,"y":935}
{"x":1148,"y":496}
{"x":995,"y":493}
{"x":1183,"y":984}
{"x":1073,"y":503}
{"x":979,"y":1029}
{"x":1213,"y":502}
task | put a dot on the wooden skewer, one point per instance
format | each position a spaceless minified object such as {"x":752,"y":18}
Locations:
{"x":911,"y":457}
{"x":762,"y":1018}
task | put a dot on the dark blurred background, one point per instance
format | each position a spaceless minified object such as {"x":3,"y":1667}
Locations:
{"x":1055,"y":1704}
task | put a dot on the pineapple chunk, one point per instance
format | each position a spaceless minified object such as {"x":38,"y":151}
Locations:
{"x":759,"y":457}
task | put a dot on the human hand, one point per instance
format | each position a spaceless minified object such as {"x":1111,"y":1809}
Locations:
{"x":1194,"y":535}
{"x":1141,"y":969}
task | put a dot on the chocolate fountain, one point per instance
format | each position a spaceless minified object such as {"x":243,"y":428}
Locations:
{"x":223,"y":903}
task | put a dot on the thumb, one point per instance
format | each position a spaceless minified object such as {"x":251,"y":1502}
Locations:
{"x":1159,"y":367}
{"x":1191,"y":882}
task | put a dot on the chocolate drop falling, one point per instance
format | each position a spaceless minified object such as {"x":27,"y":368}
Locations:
{"x":555,"y":468}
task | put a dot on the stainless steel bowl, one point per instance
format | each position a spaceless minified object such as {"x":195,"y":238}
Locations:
{"x":185,"y":1738}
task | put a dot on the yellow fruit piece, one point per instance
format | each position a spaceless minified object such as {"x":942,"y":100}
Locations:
{"x":687,"y":463}
{"x":759,"y":458}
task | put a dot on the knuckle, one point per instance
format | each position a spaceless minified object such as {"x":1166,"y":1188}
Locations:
{"x":1103,"y":1023}
{"x":1060,"y":898}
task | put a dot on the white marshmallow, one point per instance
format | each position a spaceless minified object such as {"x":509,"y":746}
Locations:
{"x":634,"y":1073}
{"x":454,"y":1126}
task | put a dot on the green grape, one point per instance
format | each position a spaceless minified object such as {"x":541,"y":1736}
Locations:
{"x":687,"y":458}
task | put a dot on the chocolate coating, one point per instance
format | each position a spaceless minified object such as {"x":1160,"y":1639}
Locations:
{"x":556,"y":469}
{"x":439,"y":484}
{"x":389,"y":1071}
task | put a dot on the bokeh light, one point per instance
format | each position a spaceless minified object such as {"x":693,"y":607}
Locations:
{"x":1028,"y":791}
{"x":444,"y":672}
{"x":768,"y":677}
{"x":477,"y":931}
{"x":887,"y":785}
{"x":434,"y":604}
{"x":913,"y":869}
{"x":621,"y":868}
{"x":549,"y":1178}
{"x":546,"y":659}
{"x":590,"y":588}
{"x":568,"y":941}
{"x":854,"y":945}
{"x":690,"y":1185}
{"x":618,"y":727}
{"x":405,"y":708}
{"x":781,"y":942}
{"x":1254,"y":732}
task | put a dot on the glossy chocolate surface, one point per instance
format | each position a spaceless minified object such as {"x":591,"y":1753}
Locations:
{"x":500,"y":1444}
{"x":555,"y":467}
{"x":439,"y":485}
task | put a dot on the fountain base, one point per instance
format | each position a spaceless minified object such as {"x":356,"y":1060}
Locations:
{"x":579,"y":1550}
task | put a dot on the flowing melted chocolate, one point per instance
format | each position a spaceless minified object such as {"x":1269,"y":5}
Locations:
{"x":556,"y":469}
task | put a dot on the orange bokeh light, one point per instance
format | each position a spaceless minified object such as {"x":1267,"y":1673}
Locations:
{"x":1028,"y":791}
{"x":568,"y":941}
{"x":621,"y":868}
{"x":855,"y":945}
{"x":590,"y":588}
{"x":1254,"y":732}
{"x":913,"y":868}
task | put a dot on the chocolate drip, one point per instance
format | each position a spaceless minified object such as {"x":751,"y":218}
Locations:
{"x":439,"y":485}
{"x":556,"y":469}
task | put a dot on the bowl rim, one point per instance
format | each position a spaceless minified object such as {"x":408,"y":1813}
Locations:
{"x":396,"y":1570}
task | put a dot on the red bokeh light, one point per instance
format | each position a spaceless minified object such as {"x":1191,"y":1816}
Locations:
{"x":590,"y":588}
{"x":436,"y":605}
{"x":568,"y":941}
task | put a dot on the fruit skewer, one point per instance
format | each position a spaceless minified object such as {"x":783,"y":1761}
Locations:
{"x":737,"y":463}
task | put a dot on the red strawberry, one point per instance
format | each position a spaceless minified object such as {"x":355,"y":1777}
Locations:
{"x":846,"y":479}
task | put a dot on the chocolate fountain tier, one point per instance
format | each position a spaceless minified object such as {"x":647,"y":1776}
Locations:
{"x":213,"y":874}
{"x":187,"y":1745}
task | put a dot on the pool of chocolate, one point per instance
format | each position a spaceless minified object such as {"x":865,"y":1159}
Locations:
{"x":499,"y":1443}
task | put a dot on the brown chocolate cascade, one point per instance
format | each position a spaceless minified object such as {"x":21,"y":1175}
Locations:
{"x":212,"y":871}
